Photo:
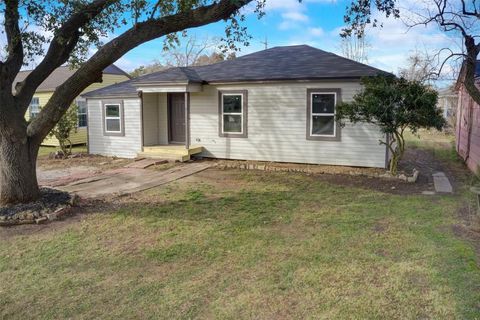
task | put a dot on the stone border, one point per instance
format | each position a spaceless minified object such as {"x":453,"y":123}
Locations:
{"x":39,"y":218}
{"x":312,"y":169}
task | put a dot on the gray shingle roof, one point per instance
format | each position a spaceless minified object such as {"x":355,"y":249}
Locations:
{"x":276,"y":64}
{"x":61,"y":74}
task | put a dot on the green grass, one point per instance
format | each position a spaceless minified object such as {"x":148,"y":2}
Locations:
{"x":240,"y":244}
{"x":45,"y":151}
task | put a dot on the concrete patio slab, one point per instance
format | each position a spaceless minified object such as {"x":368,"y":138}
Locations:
{"x":441,"y":183}
{"x":130,"y":180}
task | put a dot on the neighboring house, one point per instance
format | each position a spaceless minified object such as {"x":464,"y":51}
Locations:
{"x":447,"y":102}
{"x":467,"y":130}
{"x":273,"y":105}
{"x":111,"y":75}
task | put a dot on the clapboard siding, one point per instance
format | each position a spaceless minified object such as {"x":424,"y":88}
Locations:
{"x":277,"y":128}
{"x":162,"y":118}
{"x":150,"y":119}
{"x":126,"y":146}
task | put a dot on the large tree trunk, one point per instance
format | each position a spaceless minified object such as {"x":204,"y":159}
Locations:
{"x":18,"y":177}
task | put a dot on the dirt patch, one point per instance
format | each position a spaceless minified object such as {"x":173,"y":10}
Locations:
{"x":85,"y":160}
{"x":392,"y":186}
{"x":58,"y":177}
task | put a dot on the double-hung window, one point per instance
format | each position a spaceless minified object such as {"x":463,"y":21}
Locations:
{"x":34,"y":107}
{"x":233,"y":113}
{"x":82,"y":113}
{"x":321,"y":114}
{"x":113,"y":118}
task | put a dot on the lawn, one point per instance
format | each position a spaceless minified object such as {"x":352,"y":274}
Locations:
{"x":231,"y":244}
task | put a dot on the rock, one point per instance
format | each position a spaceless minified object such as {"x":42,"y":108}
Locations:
{"x":59,"y":154}
{"x":29,"y":216}
{"x":428,"y":193}
{"x":41,"y":220}
{"x":402,"y":177}
{"x":75,"y":155}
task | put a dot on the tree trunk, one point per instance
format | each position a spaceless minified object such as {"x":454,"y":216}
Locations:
{"x":18,"y":176}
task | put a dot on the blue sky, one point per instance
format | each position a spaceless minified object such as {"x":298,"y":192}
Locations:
{"x":316,"y":23}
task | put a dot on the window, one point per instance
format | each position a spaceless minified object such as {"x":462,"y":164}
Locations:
{"x":34,"y":107}
{"x":321,"y":114}
{"x":233,"y":111}
{"x":82,"y":113}
{"x":113,"y":124}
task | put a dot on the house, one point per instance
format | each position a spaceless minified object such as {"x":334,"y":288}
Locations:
{"x":273,"y":105}
{"x":111,"y":75}
{"x":447,"y":102}
{"x":467,"y":129}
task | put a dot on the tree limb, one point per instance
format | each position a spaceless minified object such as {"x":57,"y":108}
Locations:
{"x":112,"y":51}
{"x":61,"y":46}
{"x":12,"y":65}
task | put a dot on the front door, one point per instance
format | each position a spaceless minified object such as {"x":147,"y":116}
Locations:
{"x":176,"y":117}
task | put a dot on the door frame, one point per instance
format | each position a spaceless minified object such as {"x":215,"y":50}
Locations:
{"x":169,"y":119}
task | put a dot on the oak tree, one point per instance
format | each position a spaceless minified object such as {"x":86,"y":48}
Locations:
{"x":56,"y":32}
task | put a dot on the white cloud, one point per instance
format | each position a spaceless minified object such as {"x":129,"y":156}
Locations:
{"x":316,"y":32}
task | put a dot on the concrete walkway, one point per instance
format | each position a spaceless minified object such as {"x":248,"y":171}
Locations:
{"x":441,"y":183}
{"x":130,"y":180}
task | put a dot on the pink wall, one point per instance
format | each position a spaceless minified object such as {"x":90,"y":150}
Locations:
{"x":468,"y":130}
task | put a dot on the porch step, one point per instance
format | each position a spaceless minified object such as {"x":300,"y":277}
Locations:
{"x":181,"y":150}
{"x":170,"y":152}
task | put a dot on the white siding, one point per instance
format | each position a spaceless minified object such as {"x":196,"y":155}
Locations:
{"x":162,"y":119}
{"x":277,"y":128}
{"x":150,"y":119}
{"x":125,"y":146}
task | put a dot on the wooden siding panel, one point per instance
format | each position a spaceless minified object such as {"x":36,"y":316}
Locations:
{"x":150,"y":119}
{"x":467,"y":131}
{"x":121,"y":146}
{"x":78,"y":136}
{"x":277,"y":128}
{"x":162,"y":119}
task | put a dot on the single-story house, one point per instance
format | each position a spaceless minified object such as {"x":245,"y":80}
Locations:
{"x":447,"y":102}
{"x":273,"y":105}
{"x":467,"y":129}
{"x":45,"y":90}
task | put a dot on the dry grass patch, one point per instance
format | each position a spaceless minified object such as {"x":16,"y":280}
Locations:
{"x":234,"y":244}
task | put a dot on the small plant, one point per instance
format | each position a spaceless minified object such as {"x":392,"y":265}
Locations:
{"x":63,"y":129}
{"x":394,"y":105}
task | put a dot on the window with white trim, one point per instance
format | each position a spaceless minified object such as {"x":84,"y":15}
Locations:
{"x":322,"y":121}
{"x":232,"y":113}
{"x":113,"y":123}
{"x":34,"y":107}
{"x":82,"y":113}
